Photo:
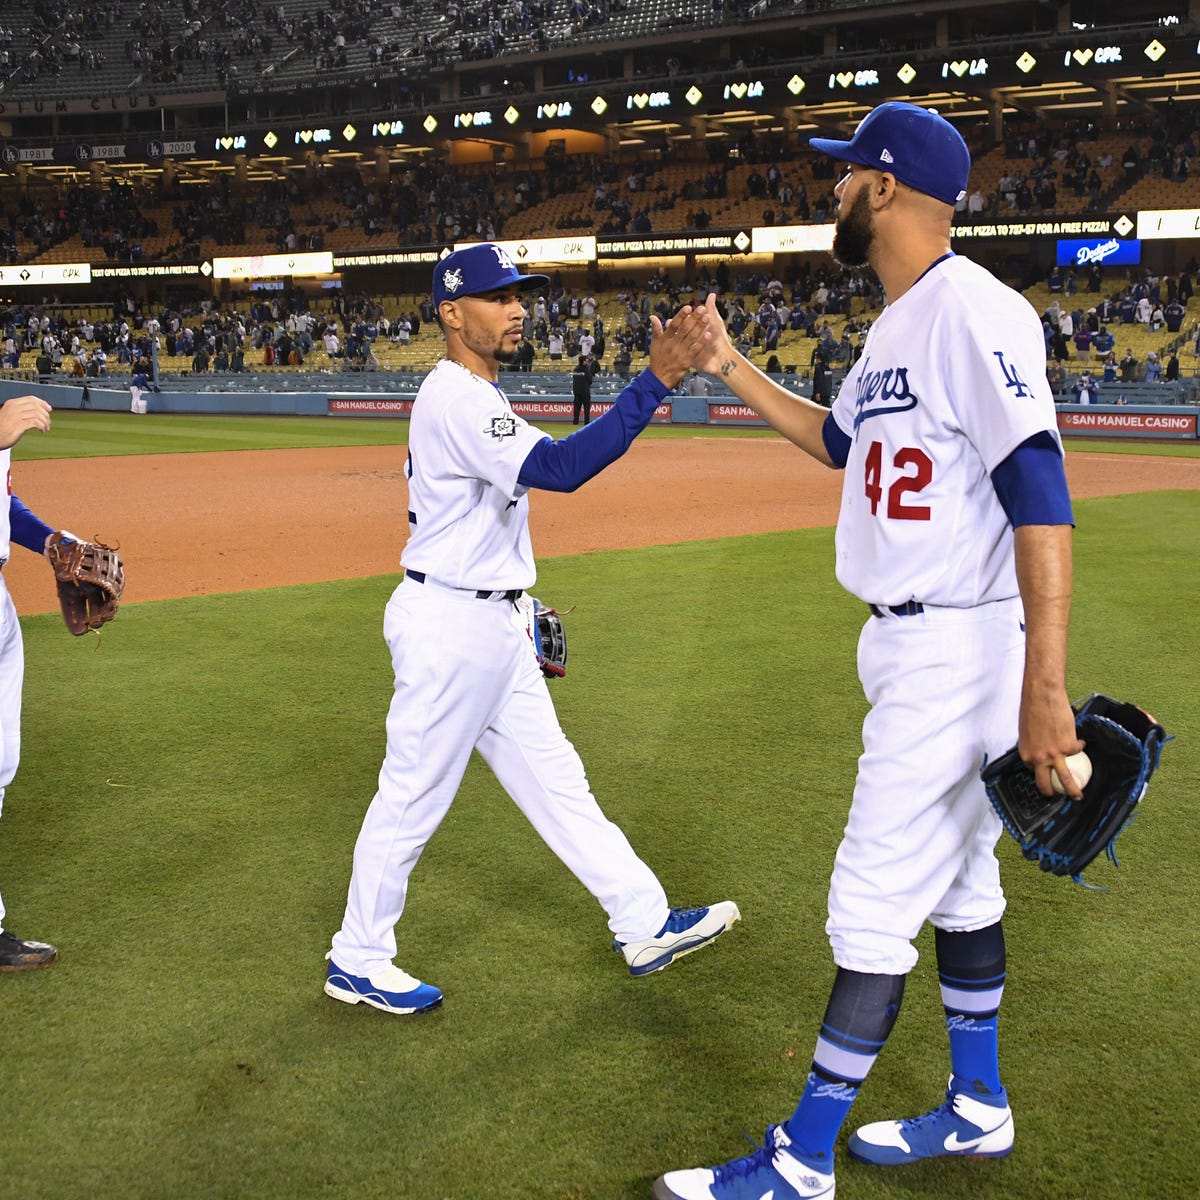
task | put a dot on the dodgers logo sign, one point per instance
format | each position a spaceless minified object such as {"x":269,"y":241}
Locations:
{"x":1081,"y":252}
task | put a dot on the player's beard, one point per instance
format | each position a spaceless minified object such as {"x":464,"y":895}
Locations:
{"x":478,"y":337}
{"x":854,"y":233}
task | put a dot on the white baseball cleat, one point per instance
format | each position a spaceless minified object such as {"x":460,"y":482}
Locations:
{"x":687,"y":929}
{"x":772,"y":1172}
{"x":965,"y":1126}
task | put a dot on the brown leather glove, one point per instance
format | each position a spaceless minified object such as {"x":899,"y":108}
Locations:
{"x":90,"y":578}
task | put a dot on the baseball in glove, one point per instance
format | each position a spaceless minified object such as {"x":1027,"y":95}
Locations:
{"x":547,"y":634}
{"x":90,"y":579}
{"x":1063,"y":835}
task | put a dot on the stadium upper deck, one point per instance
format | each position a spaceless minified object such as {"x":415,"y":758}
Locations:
{"x":114,"y":73}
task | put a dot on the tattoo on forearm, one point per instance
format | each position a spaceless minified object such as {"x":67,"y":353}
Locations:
{"x":729,"y":366}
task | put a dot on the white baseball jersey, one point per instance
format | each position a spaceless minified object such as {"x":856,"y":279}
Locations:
{"x":951,"y":380}
{"x":5,"y":504}
{"x":469,"y":517}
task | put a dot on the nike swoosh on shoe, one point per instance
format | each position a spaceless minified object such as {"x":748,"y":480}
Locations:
{"x":956,"y":1147}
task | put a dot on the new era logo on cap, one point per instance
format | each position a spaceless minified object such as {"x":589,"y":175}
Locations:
{"x":916,"y":145}
{"x":474,"y":270}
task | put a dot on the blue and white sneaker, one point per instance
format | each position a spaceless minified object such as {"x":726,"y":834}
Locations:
{"x":772,"y":1172}
{"x":687,"y":929}
{"x":390,"y":989}
{"x":966,"y":1126}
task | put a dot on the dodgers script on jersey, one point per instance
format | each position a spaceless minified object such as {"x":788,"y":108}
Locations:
{"x":951,"y":380}
{"x":464,"y":532}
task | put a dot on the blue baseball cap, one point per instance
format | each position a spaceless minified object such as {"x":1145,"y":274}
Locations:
{"x":476,"y":269}
{"x":916,"y":145}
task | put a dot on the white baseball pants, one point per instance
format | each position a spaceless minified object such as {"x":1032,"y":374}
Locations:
{"x":467,"y":678}
{"x":944,"y":687}
{"x":12,"y":677}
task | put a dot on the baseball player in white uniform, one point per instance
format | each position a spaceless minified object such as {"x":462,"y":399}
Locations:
{"x":467,"y":675}
{"x":20,"y":526}
{"x":955,"y":530}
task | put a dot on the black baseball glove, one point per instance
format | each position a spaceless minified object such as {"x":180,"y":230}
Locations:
{"x":547,"y":634}
{"x":1063,"y":835}
{"x":550,"y":639}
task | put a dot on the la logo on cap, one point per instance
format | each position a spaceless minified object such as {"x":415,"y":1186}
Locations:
{"x":503,"y":258}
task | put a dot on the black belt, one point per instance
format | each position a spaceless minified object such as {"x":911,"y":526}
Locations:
{"x":908,"y":609}
{"x":510,"y":594}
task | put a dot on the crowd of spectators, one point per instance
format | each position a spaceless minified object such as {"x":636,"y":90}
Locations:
{"x":108,"y":218}
{"x":766,"y":313}
{"x":205,"y":335}
{"x":626,"y":198}
{"x":481,"y":29}
{"x":429,"y":203}
{"x":240,"y":44}
{"x":1044,"y":166}
{"x":562,"y":325}
{"x":227,"y":43}
{"x":1083,"y":333}
{"x":60,"y":36}
{"x":423,"y":206}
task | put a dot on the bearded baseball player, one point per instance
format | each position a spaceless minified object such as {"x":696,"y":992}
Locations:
{"x":467,"y":673}
{"x":955,"y":531}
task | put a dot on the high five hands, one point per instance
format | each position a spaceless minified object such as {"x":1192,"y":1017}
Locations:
{"x":695,"y":337}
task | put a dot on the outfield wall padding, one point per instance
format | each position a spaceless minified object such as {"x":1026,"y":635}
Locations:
{"x":551,"y":407}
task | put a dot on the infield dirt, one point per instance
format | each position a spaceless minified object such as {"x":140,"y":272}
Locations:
{"x":192,"y":524}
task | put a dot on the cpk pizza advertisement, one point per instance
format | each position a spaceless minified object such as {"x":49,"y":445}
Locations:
{"x":1130,"y":424}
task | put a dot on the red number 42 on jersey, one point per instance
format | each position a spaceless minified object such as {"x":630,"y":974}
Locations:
{"x":909,"y":471}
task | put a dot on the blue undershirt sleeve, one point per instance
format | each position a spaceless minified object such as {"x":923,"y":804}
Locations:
{"x":1032,"y":485}
{"x":24,"y":528}
{"x":837,"y":444}
{"x":566,"y":464}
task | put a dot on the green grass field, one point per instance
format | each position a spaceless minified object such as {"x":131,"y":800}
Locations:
{"x":183,"y":822}
{"x":91,"y":434}
{"x":83,"y":435}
